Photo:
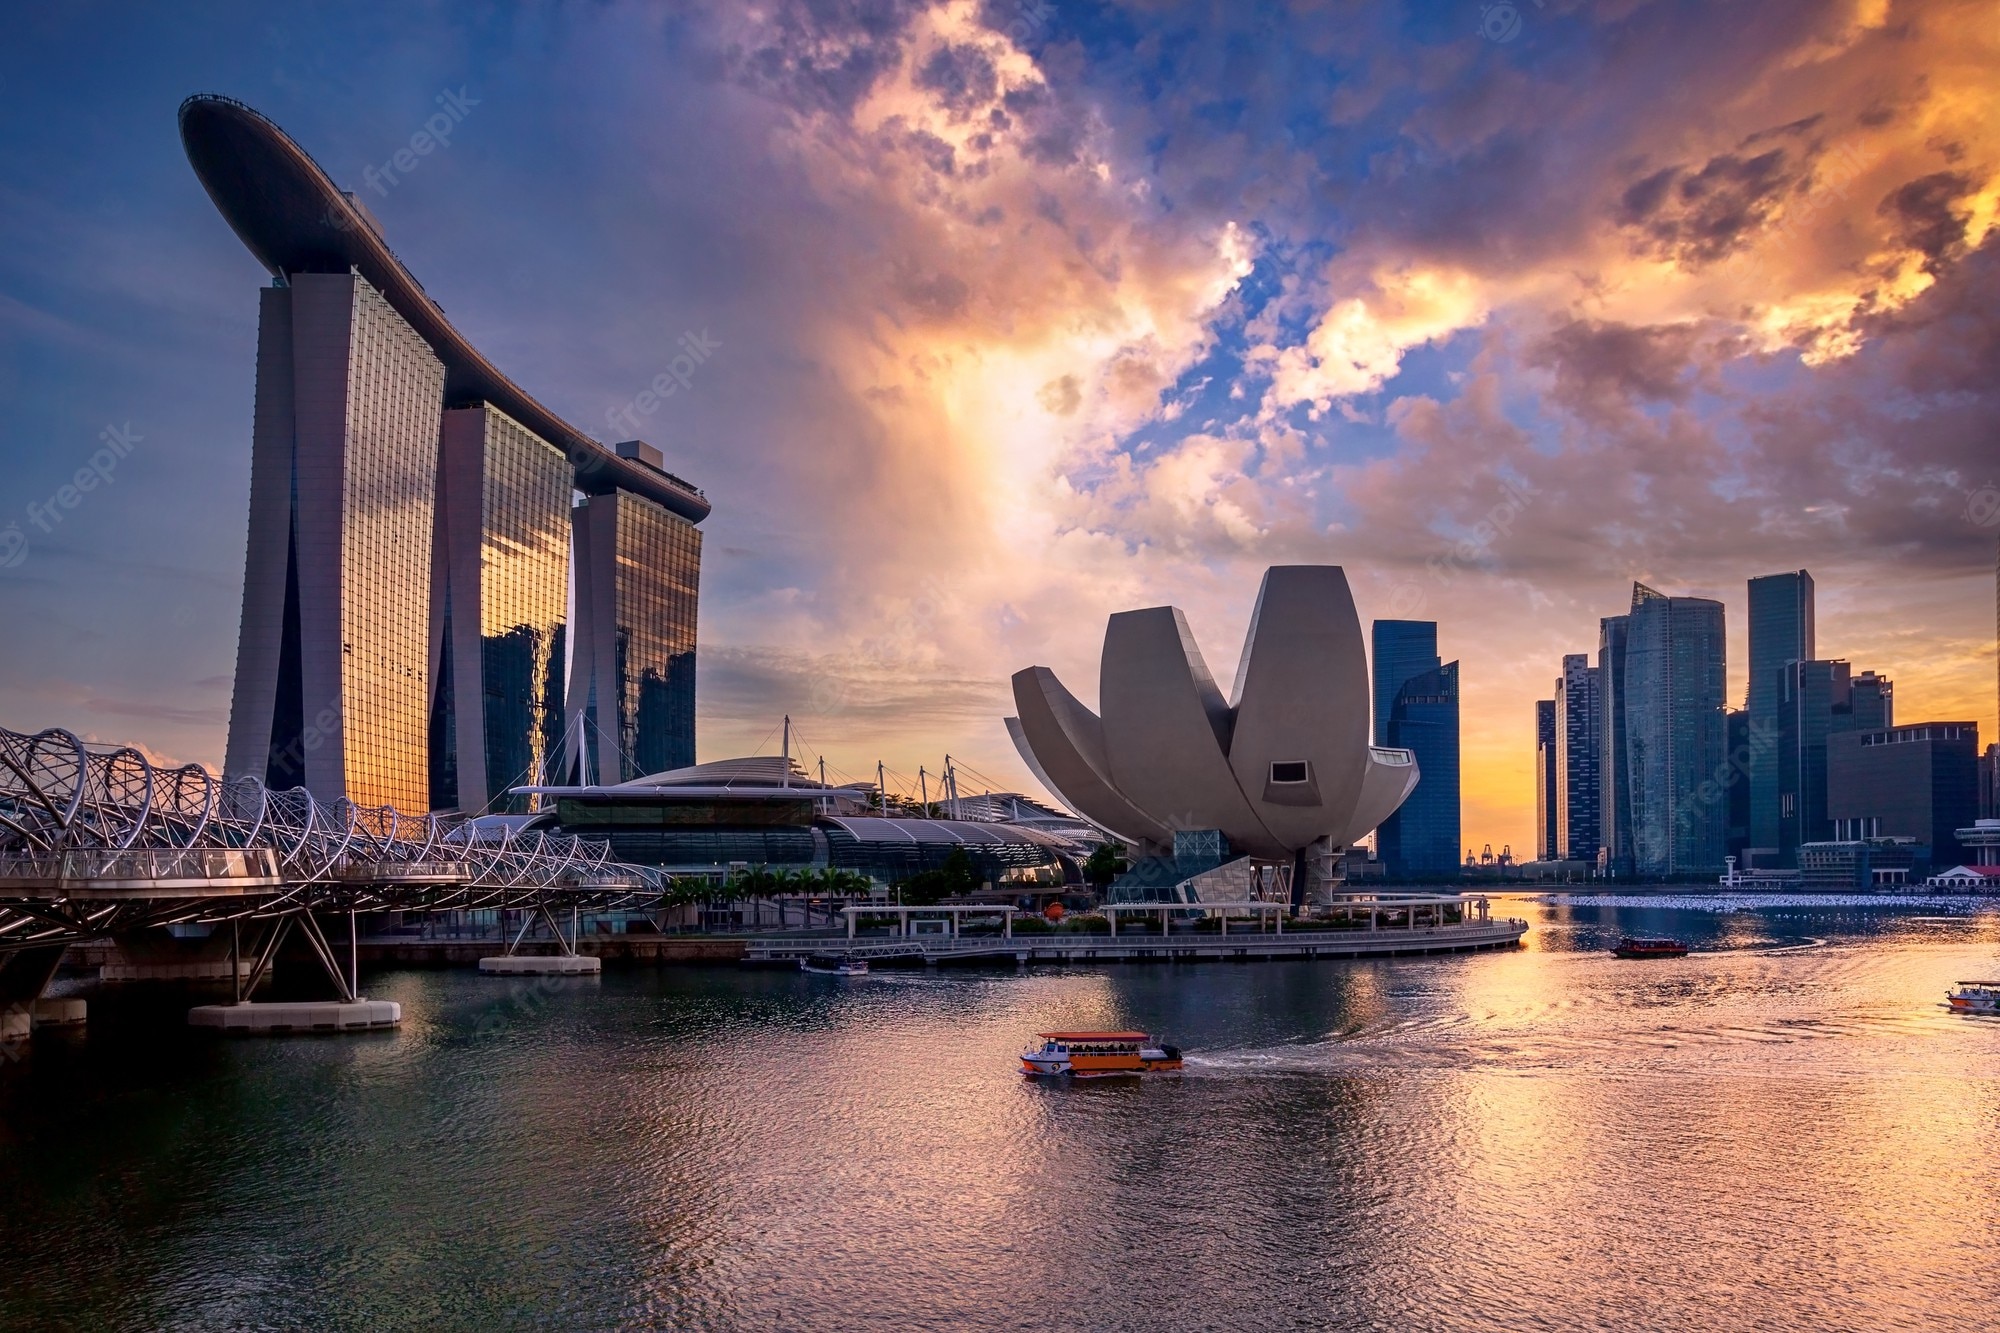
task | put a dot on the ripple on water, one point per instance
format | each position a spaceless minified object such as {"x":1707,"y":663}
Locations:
{"x":1783,"y":1130}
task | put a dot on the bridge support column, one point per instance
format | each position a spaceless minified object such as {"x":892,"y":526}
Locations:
{"x":349,"y":1013}
{"x":567,"y":962}
{"x":155,"y":956}
{"x":24,"y":975}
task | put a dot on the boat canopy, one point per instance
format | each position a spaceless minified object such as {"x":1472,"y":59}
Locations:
{"x":1092,"y":1036}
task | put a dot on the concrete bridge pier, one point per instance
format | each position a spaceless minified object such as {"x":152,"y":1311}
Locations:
{"x":24,"y":975}
{"x":565,"y":962}
{"x":156,"y":956}
{"x":349,"y":1012}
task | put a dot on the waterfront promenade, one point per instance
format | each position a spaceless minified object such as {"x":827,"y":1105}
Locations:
{"x":1131,"y":947}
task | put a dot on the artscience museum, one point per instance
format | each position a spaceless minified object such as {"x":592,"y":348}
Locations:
{"x":1266,"y":786}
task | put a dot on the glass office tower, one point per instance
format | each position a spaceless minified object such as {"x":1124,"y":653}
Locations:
{"x":1399,"y":650}
{"x":1614,"y":803}
{"x":1416,"y":708}
{"x":632,"y":684}
{"x":504,"y":499}
{"x":1781,"y":632}
{"x":1579,"y":741}
{"x":333,"y":660}
{"x":1675,"y":660}
{"x":1421,"y":837}
{"x":1816,"y":701}
{"x":1546,"y":847}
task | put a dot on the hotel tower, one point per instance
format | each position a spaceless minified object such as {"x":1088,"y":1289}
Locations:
{"x":449,"y":591}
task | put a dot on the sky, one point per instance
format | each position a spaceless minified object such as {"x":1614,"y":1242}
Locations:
{"x":1030,"y":311}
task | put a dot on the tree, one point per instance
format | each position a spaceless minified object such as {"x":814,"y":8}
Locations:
{"x":1105,"y":864}
{"x":957,"y":876}
{"x":755,"y":884}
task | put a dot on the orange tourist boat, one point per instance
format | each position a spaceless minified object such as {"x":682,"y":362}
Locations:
{"x":1638,"y":946}
{"x":1098,"y":1055}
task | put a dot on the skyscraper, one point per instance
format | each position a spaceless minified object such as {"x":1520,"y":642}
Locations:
{"x":1817,"y":700}
{"x":1675,"y":660}
{"x":1546,"y":846}
{"x":633,"y":673}
{"x":1781,"y":631}
{"x":1613,"y":783}
{"x":334,"y":652}
{"x":1398,"y":650}
{"x":1579,"y":741}
{"x":408,"y":572}
{"x":1736,"y":733}
{"x":503,"y":499}
{"x":1421,"y":837}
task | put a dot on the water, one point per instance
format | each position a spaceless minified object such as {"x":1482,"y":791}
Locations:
{"x":1781,"y":1131}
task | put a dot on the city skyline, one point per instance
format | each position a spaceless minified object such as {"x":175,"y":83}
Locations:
{"x":937,"y":466}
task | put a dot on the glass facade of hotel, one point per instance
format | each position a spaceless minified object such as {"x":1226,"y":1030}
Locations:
{"x":498,"y":715}
{"x":524,"y":586}
{"x":632,"y":688}
{"x":333,"y":665}
{"x":395,"y":392}
{"x":659,"y":573}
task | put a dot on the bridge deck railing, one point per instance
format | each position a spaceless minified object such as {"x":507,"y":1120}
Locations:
{"x":82,"y":867}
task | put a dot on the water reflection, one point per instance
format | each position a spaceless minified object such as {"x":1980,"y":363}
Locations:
{"x":1782,"y":1129}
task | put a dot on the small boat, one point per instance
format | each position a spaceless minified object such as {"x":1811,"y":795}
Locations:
{"x":833,"y":965}
{"x":1975,"y":997}
{"x":1097,"y":1055}
{"x":1642,"y":946}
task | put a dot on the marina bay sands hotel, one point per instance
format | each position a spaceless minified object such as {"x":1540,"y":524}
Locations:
{"x":449,"y":591}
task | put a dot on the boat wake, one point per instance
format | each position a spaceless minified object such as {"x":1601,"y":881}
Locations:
{"x":1463,"y":1044}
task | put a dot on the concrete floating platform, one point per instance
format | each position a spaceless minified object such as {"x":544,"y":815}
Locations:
{"x":551,"y":965}
{"x":277,"y":1018}
{"x":56,"y":1013}
{"x":201,"y":969}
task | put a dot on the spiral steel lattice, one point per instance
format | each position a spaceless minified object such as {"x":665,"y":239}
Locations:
{"x":96,"y":840}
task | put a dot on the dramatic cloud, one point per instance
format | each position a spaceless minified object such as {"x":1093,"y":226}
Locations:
{"x":1033,"y":312}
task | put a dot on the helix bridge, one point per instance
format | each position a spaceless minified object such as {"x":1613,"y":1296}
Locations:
{"x":98,"y":841}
